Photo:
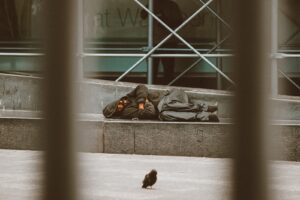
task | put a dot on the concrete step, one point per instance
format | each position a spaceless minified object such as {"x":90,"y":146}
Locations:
{"x":24,"y":93}
{"x":96,"y":134}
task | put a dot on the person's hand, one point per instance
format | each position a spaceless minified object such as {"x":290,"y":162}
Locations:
{"x":141,"y":106}
{"x":120,"y":106}
{"x":125,"y":102}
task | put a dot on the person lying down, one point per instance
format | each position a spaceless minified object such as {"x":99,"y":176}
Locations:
{"x":172,"y":105}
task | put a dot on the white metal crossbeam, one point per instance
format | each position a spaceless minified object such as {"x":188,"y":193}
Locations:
{"x":197,"y":61}
{"x":185,"y":42}
{"x":211,"y":50}
{"x":164,"y":40}
{"x":218,"y":16}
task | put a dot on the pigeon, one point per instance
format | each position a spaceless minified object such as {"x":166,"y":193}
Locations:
{"x":150,"y":179}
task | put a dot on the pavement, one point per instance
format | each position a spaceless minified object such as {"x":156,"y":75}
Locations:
{"x":114,"y":176}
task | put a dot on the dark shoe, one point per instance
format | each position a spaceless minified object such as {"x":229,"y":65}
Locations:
{"x":213,"y":118}
{"x":212,"y":109}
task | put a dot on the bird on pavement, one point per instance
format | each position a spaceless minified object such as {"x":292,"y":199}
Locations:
{"x":150,"y":179}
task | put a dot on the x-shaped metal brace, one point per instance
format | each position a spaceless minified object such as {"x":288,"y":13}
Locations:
{"x":174,"y":32}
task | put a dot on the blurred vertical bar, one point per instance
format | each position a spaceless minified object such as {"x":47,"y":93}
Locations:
{"x":252,"y":78}
{"x":274,"y":47}
{"x":60,"y":72}
{"x":150,"y":44}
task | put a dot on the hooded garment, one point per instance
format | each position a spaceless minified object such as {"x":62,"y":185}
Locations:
{"x":140,"y":94}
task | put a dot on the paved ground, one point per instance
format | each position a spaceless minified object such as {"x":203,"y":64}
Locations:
{"x":107,"y":177}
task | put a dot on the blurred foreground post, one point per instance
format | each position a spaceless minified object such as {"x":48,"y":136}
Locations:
{"x":252,"y":77}
{"x":60,"y":73}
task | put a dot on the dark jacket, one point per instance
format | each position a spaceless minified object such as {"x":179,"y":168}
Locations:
{"x":140,"y":94}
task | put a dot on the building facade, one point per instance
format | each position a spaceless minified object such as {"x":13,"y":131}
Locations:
{"x":116,"y":37}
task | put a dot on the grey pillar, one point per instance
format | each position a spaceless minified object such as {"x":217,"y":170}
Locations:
{"x":150,"y":44}
{"x":251,"y":68}
{"x":60,"y":72}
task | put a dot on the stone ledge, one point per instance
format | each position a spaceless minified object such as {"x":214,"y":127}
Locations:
{"x":24,"y":93}
{"x":96,"y":134}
